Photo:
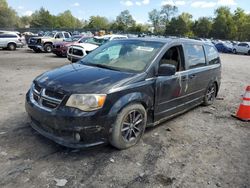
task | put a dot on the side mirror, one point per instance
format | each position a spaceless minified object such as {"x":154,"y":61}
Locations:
{"x":166,"y":70}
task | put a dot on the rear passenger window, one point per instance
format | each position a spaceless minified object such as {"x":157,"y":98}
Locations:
{"x":195,"y":55}
{"x":212,"y":55}
{"x":66,"y":35}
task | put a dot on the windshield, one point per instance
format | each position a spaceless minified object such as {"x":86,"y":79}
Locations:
{"x":49,"y":34}
{"x":124,"y":55}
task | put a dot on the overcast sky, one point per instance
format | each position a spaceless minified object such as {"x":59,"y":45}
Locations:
{"x":111,"y":8}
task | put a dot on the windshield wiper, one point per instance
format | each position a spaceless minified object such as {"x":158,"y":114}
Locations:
{"x":106,"y":67}
{"x":102,"y":66}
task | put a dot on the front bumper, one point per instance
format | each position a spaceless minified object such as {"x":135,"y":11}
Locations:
{"x":63,"y":124}
{"x":60,"y":51}
{"x":35,"y":46}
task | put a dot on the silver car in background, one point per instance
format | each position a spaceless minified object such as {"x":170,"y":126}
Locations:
{"x":242,"y":48}
{"x":10,"y":41}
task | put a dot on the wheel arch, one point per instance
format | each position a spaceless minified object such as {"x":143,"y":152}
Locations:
{"x":217,"y":88}
{"x":11,"y":43}
{"x":48,"y":42}
{"x":131,"y":98}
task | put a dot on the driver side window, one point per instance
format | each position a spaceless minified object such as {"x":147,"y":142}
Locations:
{"x":174,"y":56}
{"x":59,"y":36}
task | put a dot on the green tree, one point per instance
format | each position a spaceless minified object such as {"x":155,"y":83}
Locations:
{"x":24,"y":21}
{"x":155,"y":19}
{"x":139,"y":28}
{"x":125,"y":20}
{"x":167,"y":12}
{"x":241,"y":21}
{"x":98,"y":22}
{"x":177,"y":27}
{"x":202,"y":27}
{"x":180,"y":26}
{"x":223,"y":26}
{"x":42,"y":19}
{"x":8,"y":16}
{"x":67,"y":20}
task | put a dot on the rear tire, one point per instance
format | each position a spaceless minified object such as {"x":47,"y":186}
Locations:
{"x":129,"y":126}
{"x":249,"y":52}
{"x":234,"y":51}
{"x":12,"y":46}
{"x":48,"y":48}
{"x":210,"y":94}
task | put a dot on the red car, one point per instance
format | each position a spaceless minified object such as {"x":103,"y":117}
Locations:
{"x":60,"y":48}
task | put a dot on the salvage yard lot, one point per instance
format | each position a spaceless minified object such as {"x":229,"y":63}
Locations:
{"x":204,"y":147}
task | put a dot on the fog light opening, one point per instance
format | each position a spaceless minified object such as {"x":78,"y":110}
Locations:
{"x":77,"y":137}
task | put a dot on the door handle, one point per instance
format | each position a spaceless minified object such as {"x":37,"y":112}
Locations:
{"x":184,"y":78}
{"x":192,"y":76}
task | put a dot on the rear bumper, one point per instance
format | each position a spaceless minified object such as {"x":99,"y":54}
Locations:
{"x":65,"y":124}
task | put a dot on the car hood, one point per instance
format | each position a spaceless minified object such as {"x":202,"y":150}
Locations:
{"x":65,"y":43}
{"x":86,"y":46}
{"x":42,"y":37}
{"x":79,"y":78}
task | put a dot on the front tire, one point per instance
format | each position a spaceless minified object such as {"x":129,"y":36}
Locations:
{"x":234,"y":51}
{"x":129,"y":126}
{"x":210,"y":94}
{"x":12,"y":46}
{"x":48,"y":48}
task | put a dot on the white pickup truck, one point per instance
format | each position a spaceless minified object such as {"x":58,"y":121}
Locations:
{"x":45,"y":43}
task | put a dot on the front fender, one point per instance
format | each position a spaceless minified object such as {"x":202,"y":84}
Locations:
{"x":135,"y":97}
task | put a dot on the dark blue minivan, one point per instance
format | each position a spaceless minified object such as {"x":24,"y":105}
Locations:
{"x":116,"y":91}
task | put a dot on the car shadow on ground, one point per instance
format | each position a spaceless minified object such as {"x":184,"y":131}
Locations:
{"x":29,"y":144}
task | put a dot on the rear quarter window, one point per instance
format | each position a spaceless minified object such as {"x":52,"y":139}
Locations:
{"x":212,"y":55}
{"x":7,"y":36}
{"x":195,"y":55}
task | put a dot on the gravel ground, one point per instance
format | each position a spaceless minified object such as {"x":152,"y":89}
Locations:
{"x":204,"y":147}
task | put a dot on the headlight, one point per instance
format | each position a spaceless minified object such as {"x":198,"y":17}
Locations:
{"x":86,"y":102}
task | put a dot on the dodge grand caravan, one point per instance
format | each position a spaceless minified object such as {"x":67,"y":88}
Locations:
{"x":116,"y":91}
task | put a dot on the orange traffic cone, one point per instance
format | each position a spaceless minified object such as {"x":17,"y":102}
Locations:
{"x":244,"y":109}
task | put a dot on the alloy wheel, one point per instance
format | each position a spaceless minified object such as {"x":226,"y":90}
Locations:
{"x":211,"y":93}
{"x":132,"y":126}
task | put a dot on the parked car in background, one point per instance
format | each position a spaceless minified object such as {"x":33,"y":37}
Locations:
{"x":224,"y":47}
{"x":61,"y":48}
{"x":10,"y":41}
{"x":242,"y":48}
{"x":119,"y":89}
{"x":45,"y":43}
{"x":78,"y":51}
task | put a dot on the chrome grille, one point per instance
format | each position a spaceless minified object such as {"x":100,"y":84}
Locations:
{"x":45,"y":98}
